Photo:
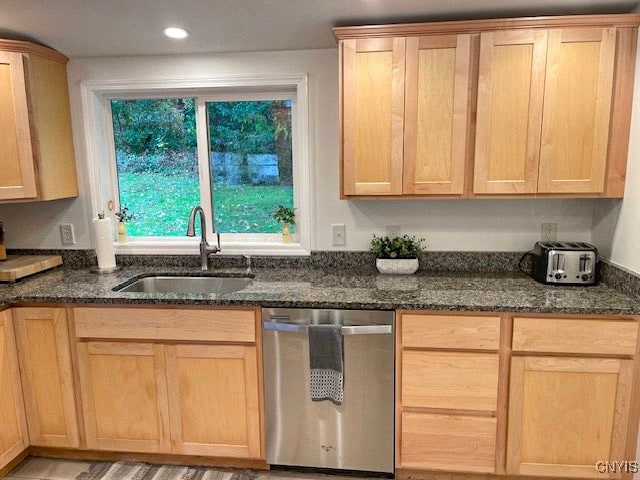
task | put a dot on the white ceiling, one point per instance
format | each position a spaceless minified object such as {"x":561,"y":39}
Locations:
{"x":83,"y":28}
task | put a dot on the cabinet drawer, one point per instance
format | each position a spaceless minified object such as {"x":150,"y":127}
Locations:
{"x":457,"y":332}
{"x":585,"y":336}
{"x":462,"y":381}
{"x":166,"y":324}
{"x":448,"y":442}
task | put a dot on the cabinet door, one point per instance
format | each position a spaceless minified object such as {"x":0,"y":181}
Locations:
{"x":373,"y":115}
{"x":47,"y":378}
{"x":436,"y":104}
{"x":510,"y":96}
{"x":567,"y":414}
{"x":214,"y":400}
{"x":13,"y":428}
{"x":16,"y":160}
{"x":49,"y":89}
{"x":124,"y":396}
{"x":577,"y":108}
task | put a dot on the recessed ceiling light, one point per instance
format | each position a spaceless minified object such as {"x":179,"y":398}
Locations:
{"x":176,"y":32}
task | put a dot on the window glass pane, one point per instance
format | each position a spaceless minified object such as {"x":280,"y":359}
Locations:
{"x":251,"y":167}
{"x":157,"y":163}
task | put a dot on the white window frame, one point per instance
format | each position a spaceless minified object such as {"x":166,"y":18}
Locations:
{"x":100,"y":154}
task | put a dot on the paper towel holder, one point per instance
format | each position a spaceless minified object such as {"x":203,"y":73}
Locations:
{"x":96,"y":268}
{"x":104,"y":271}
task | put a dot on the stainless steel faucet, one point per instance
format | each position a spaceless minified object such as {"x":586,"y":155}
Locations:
{"x":205,"y":248}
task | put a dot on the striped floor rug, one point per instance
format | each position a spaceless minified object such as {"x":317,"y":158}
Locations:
{"x":144,"y":471}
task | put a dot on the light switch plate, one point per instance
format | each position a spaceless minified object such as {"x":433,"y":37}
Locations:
{"x":338,"y":235}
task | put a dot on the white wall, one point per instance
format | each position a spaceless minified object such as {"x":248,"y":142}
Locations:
{"x":445,"y":224}
{"x":616,"y":224}
{"x":37,"y":224}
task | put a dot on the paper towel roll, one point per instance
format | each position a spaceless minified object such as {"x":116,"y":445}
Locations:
{"x":104,"y":242}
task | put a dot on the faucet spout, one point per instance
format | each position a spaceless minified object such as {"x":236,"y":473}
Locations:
{"x":205,"y":248}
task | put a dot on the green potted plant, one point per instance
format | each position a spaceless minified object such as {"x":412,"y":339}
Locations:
{"x":396,"y":255}
{"x":123,"y":216}
{"x":287,"y":217}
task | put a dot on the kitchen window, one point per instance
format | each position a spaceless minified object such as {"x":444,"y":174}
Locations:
{"x":250,"y":170}
{"x":238,"y":152}
{"x":157,"y":163}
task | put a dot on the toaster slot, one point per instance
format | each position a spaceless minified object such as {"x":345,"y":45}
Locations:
{"x":558,"y":262}
{"x":585,"y":264}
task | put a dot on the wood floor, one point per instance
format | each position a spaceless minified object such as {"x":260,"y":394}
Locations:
{"x":38,"y":468}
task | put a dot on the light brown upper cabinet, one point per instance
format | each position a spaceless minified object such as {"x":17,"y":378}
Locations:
{"x":544,"y":104}
{"x":405,"y":105}
{"x":37,"y":158}
{"x":436,"y":106}
{"x":19,"y":179}
{"x":373,"y":120}
{"x":577,"y":109}
{"x":510,"y":95}
{"x":530,"y":107}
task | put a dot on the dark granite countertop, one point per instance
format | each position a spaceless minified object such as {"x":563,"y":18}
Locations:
{"x":314,"y":288}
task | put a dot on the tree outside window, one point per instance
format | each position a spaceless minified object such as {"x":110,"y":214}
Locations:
{"x":156,"y":155}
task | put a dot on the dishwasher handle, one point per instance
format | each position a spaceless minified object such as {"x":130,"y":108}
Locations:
{"x":352,"y":330}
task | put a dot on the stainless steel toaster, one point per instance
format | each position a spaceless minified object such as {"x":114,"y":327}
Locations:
{"x":566,"y":263}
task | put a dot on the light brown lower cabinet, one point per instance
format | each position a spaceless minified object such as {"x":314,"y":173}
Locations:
{"x":172,"y":396}
{"x":14,"y":438}
{"x":448,"y":371}
{"x":537,"y":396}
{"x":47,"y":376}
{"x":450,"y":380}
{"x":124,"y":396}
{"x":213,"y":400}
{"x":188,"y":382}
{"x":448,"y":442}
{"x":567,"y":414}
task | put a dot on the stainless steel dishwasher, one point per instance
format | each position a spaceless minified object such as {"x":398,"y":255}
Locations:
{"x":356,"y":435}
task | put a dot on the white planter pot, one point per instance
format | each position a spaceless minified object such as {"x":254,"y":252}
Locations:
{"x":399,"y":266}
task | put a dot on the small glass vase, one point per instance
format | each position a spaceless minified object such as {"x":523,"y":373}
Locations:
{"x":286,"y":233}
{"x":122,"y":232}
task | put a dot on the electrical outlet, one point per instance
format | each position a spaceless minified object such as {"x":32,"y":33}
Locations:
{"x":393,"y":231}
{"x":338,"y":238}
{"x":549,"y":232}
{"x":68,"y":237}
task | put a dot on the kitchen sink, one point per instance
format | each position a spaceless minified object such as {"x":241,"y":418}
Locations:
{"x":185,"y":284}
